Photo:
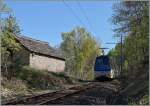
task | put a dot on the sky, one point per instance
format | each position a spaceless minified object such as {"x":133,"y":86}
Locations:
{"x":46,"y":20}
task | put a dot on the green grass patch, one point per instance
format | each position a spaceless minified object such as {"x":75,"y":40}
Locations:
{"x":28,"y":80}
{"x":42,"y":79}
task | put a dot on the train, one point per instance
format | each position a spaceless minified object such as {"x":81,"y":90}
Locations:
{"x":102,"y":67}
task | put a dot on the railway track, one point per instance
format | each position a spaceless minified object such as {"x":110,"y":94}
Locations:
{"x":43,"y":98}
{"x":54,"y":96}
{"x":101,"y":93}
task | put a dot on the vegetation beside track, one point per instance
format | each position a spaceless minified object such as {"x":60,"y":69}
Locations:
{"x":29,"y":81}
{"x":131,"y":19}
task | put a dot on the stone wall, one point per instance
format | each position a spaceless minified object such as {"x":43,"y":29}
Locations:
{"x":47,"y":63}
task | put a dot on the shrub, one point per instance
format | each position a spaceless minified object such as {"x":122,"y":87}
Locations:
{"x":42,"y":79}
{"x":12,"y":87}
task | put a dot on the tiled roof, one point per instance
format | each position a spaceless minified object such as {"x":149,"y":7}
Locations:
{"x":39,"y":47}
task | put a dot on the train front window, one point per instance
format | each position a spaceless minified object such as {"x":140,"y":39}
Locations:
{"x":102,"y":61}
{"x":99,"y":61}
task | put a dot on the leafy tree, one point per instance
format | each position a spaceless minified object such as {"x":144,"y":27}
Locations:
{"x":132,"y":19}
{"x":8,"y":44}
{"x":80,"y":50}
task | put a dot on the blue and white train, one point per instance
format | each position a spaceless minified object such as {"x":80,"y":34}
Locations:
{"x":102,"y":67}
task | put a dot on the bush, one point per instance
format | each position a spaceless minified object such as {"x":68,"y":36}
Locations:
{"x":34,"y":78}
{"x":12,"y":87}
{"x":42,"y":79}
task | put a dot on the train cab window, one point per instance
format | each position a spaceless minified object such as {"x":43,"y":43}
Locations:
{"x":102,"y":61}
{"x":99,"y":61}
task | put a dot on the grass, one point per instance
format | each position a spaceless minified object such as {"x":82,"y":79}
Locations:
{"x":137,"y":90}
{"x":42,"y":79}
{"x":143,"y":101}
{"x":13,"y":87}
{"x":29,"y":80}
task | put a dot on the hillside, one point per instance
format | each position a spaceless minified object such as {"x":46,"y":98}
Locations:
{"x":136,"y":92}
{"x":29,"y":81}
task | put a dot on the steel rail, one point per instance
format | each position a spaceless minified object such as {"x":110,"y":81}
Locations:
{"x":43,"y":98}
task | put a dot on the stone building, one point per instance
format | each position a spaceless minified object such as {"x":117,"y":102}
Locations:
{"x":38,"y":54}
